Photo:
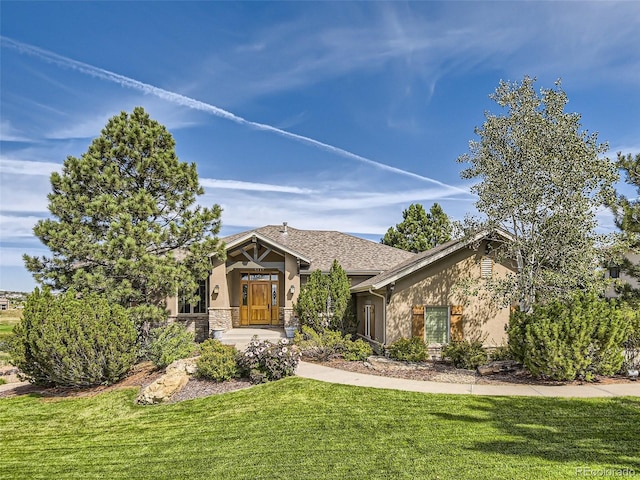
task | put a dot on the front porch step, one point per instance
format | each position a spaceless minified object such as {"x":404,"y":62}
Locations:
{"x":240,"y":337}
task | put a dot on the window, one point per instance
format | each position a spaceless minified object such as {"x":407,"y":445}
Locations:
{"x":614,"y":272}
{"x":436,"y":325}
{"x":200,"y":306}
{"x":486,"y":267}
{"x":369,"y":319}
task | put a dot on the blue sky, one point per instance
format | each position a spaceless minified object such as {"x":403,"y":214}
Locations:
{"x":332,"y":115}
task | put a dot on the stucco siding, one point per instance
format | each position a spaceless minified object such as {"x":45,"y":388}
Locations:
{"x":378,"y":309}
{"x":438,"y":285}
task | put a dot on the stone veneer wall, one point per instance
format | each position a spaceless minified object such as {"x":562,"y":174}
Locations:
{"x":288,"y":315}
{"x":220,"y":318}
{"x":235,"y":316}
{"x":198,"y":324}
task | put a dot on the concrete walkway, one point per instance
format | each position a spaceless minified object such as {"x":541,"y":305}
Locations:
{"x":343,"y":377}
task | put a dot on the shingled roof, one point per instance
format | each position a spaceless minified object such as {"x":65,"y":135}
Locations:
{"x":321,"y":247}
{"x":423,"y":259}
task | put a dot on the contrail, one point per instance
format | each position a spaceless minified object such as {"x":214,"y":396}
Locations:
{"x":184,"y":101}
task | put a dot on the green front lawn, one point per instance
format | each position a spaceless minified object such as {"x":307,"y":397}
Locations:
{"x":299,"y":428}
{"x":8,"y":319}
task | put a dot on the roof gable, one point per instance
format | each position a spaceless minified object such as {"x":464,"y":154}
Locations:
{"x":422,"y":260}
{"x":321,"y":247}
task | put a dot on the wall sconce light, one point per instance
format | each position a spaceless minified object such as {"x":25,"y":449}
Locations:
{"x":216,"y":289}
{"x":292,"y":289}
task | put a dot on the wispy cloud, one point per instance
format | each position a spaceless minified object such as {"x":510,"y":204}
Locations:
{"x":27,"y":167}
{"x":8,"y":133}
{"x":251,"y":186}
{"x":188,"y":102}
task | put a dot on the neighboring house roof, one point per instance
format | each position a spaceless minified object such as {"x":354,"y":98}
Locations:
{"x":321,"y":247}
{"x":421,"y":260}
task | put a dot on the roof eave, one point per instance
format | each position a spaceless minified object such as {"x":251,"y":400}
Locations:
{"x":426,"y":262}
{"x":249,"y":235}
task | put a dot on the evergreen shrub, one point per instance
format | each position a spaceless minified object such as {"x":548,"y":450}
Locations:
{"x":73,"y":341}
{"x":409,"y":350}
{"x":329,"y":344}
{"x":217,"y":361}
{"x":466,"y":354}
{"x":170,"y":343}
{"x":577,"y":338}
{"x":357,"y":350}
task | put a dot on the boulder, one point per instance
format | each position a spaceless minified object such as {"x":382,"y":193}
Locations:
{"x":501,"y":366}
{"x":175,"y":378}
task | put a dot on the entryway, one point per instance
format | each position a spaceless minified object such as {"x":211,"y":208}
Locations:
{"x":260,"y":298}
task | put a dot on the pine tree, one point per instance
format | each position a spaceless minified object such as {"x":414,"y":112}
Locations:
{"x":419,"y":231}
{"x":627,"y":218}
{"x":125,"y":223}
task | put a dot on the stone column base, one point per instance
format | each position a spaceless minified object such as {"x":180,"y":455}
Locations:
{"x":219,"y":319}
{"x":289,"y":317}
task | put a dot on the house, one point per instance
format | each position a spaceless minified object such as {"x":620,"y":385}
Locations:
{"x":397,"y":293}
{"x":621,"y":278}
{"x":4,"y":304}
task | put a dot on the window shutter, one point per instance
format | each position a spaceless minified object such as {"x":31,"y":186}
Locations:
{"x":457,"y":332}
{"x":417,"y":323}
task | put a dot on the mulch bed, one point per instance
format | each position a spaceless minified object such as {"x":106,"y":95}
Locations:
{"x":196,"y":388}
{"x":444,"y":372}
{"x":145,"y":373}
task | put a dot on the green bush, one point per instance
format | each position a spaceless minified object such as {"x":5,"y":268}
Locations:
{"x":632,"y":344}
{"x":264,"y":361}
{"x":319,"y":346}
{"x":73,"y":341}
{"x":217,"y":361}
{"x":503,"y":352}
{"x":2,"y":381}
{"x":408,"y":349}
{"x":577,"y":338}
{"x":465,"y":354}
{"x":169,"y":343}
{"x":330,"y":344}
{"x":357,"y":351}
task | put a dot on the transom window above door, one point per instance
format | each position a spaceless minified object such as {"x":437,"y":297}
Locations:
{"x":259,"y":277}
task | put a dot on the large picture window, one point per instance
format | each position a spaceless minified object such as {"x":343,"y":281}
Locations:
{"x":200,"y":306}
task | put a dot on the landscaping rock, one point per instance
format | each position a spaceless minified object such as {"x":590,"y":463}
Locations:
{"x":8,"y":370}
{"x":176,"y":377}
{"x":502,"y":366}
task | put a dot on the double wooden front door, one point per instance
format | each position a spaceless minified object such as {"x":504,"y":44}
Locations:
{"x":260,"y":299}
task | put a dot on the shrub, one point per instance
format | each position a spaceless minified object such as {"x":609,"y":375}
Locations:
{"x":169,"y":343}
{"x":465,"y":354}
{"x":2,"y":381}
{"x":632,"y":345}
{"x":580,"y":337}
{"x":330,"y":344}
{"x":357,"y":350}
{"x":263,"y":361}
{"x":408,"y":349}
{"x":325,"y":301}
{"x":319,"y":346}
{"x":73,"y":341}
{"x":503,"y":352}
{"x":217,"y":361}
